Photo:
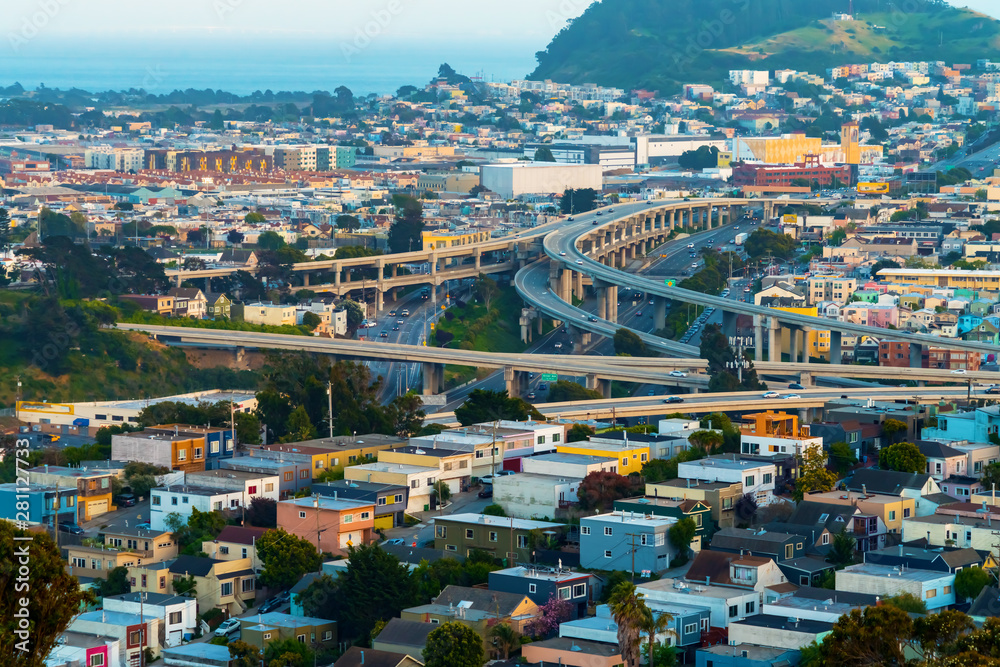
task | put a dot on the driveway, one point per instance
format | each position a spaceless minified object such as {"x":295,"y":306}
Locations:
{"x":424,"y":531}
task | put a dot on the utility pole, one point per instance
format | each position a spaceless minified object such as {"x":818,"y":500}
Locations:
{"x":329,"y":396}
{"x":493,"y":451}
{"x":632,"y":537}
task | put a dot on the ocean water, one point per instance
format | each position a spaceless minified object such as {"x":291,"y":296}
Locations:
{"x":165,"y":68}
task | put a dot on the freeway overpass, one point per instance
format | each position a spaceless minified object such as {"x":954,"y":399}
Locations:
{"x":810,"y":399}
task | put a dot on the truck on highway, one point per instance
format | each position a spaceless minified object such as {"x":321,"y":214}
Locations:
{"x":741,"y":238}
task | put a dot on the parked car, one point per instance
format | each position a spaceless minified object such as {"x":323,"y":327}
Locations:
{"x":227,"y":627}
{"x":487,"y":492}
{"x":126,"y":500}
{"x":143,"y":526}
{"x":275,"y":603}
{"x":71,"y":528}
{"x":397,"y":541}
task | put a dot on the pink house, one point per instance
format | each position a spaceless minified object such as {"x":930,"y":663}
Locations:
{"x":330,"y":524}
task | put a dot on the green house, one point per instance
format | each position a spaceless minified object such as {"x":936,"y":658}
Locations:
{"x":678,"y":508}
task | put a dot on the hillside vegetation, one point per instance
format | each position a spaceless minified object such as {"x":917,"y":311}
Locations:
{"x":661,"y":44}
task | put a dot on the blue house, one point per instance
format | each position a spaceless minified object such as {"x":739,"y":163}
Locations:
{"x":745,"y":655}
{"x":542,"y":583}
{"x":974,"y":426}
{"x":46,"y":505}
{"x":690,"y":621}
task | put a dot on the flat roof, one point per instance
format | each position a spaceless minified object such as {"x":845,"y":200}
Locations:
{"x":188,"y":399}
{"x":727,"y":464}
{"x":549,"y":574}
{"x":403,"y":468}
{"x":631,"y":518}
{"x":887,"y":571}
{"x":498,"y":521}
{"x":327,"y":503}
{"x":753,"y":651}
{"x":227,"y":474}
{"x":570,"y":459}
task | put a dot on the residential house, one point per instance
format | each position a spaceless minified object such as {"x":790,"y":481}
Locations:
{"x":630,"y":454}
{"x":576,"y":466}
{"x":331,"y":525}
{"x":744,"y":655}
{"x":778,"y":632}
{"x":661,"y":445}
{"x":758,"y":479}
{"x":919,"y":487}
{"x":942,"y":461}
{"x":890,"y":509}
{"x":506,"y":538}
{"x":979,"y":455}
{"x":776,"y":434}
{"x":626,"y":541}
{"x":333,"y":454}
{"x":543,"y":583}
{"x":93,"y":488}
{"x":721,"y":497}
{"x":149,"y":545}
{"x":96,"y":561}
{"x":151,"y":303}
{"x":725,"y":604}
{"x":268,"y":314}
{"x":962,"y":487}
{"x":454,"y":467}
{"x":684,"y":632}
{"x":696,"y":510}
{"x":166,"y":500}
{"x":418,"y":479}
{"x":952,"y":560}
{"x":293,"y":476}
{"x":133,"y":633}
{"x":263,"y":629}
{"x":572,"y":653}
{"x":819,"y":522}
{"x":817,"y":604}
{"x":218,"y":306}
{"x":197,"y":655}
{"x":250,"y":484}
{"x":390,"y":500}
{"x":189,"y":302}
{"x":47,"y":505}
{"x":236,"y":543}
{"x":779,"y":547}
{"x":403,"y":637}
{"x":177,"y":614}
{"x":77,"y":649}
{"x":986,"y":605}
{"x":369,"y":657}
{"x":476,"y":608}
{"x":532,"y":496}
{"x":974,"y":426}
{"x":228,"y":585}
{"x":176,"y":446}
{"x":935,"y":589}
{"x":735,"y":570}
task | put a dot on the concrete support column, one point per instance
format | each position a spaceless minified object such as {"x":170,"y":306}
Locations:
{"x":479,"y":260}
{"x":305,"y":279}
{"x":510,"y":380}
{"x":916,"y":355}
{"x":621,"y":258}
{"x":395,"y":270}
{"x":673,"y":219}
{"x":336,"y":276}
{"x":433,"y":375}
{"x":836,"y":349}
{"x":728,"y":324}
{"x":806,"y":347}
{"x":434,"y":264}
{"x":758,"y":338}
{"x":793,"y":344}
{"x":565,"y":279}
{"x":538,"y":325}
{"x":602,"y":301}
{"x":659,"y":312}
{"x":612,"y":307}
{"x":379,"y":300}
{"x":773,"y":339}
{"x":578,"y":285}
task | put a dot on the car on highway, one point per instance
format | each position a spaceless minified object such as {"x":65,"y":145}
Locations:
{"x":570,"y":218}
{"x":795,"y":385}
{"x":790,"y":396}
{"x":405,"y":313}
{"x":395,"y":328}
{"x":71,"y":528}
{"x":673,"y":399}
{"x":384,"y":334}
{"x":592,"y":318}
{"x":392,"y":313}
{"x":543,"y":387}
{"x":770,"y":394}
{"x":678,"y":374}
{"x":993,"y":390}
{"x":638,"y":313}
{"x":558,"y":346}
{"x":579,"y":261}
{"x":598,"y":213}
{"x":562,"y":254}
{"x":651,"y":392}
{"x":959,"y":371}
{"x":594,"y":223}
{"x":690,"y":245}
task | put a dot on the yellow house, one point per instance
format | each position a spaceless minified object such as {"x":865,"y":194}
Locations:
{"x":228,"y":585}
{"x":630,"y":456}
{"x":267,"y":313}
{"x":325,"y":454}
{"x":786,"y":149}
{"x":891,"y":509}
{"x":97,"y":561}
{"x":817,"y":340}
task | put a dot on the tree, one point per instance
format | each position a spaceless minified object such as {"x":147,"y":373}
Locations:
{"x":902,"y":457}
{"x":494,"y":510}
{"x":908,"y":602}
{"x":842,"y":550}
{"x":724,"y":367}
{"x":348,"y":223}
{"x":578,"y":201}
{"x":407,"y":414}
{"x":286,"y":558}
{"x":626,"y":606}
{"x":4,"y":229}
{"x":270,"y":240}
{"x":581,"y":433}
{"x":628,"y":343}
{"x":938,"y":633}
{"x":544,"y":154}
{"x":288,"y":652}
{"x":842,"y":457}
{"x":765,"y":242}
{"x":454,"y":645}
{"x":709,"y":441}
{"x":263,"y":512}
{"x":813,"y":474}
{"x":35,"y":587}
{"x":375,"y":586}
{"x":117,"y":583}
{"x":550,"y":615}
{"x":484,"y":405}
{"x":486,"y":289}
{"x":442,"y":492}
{"x":185,"y":586}
{"x":872,"y":636}
{"x":243,"y":654}
{"x":893,"y":427}
{"x":504,"y":639}
{"x":653,"y":624}
{"x":311,"y":320}
{"x":254,"y":218}
{"x":564,"y":390}
{"x":234,"y":237}
{"x":299,"y":426}
{"x":681,"y":534}
{"x":705,"y":157}
{"x":970,"y":582}
{"x":600,"y":489}
{"x":405,"y":232}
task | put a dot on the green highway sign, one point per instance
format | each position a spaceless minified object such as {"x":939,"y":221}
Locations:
{"x":550,"y":377}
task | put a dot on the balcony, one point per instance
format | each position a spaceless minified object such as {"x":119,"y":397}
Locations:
{"x":865,"y":526}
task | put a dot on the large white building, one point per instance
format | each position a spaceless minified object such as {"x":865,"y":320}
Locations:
{"x":535,"y":178}
{"x":116,"y":159}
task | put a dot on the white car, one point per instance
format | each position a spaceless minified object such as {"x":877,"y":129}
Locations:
{"x":790,"y":396}
{"x":959,"y":371}
{"x":228,"y":627}
{"x":579,"y":261}
{"x":558,"y":346}
{"x":678,"y":374}
{"x":771,"y":394}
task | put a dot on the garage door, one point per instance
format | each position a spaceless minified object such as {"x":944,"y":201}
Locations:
{"x":97,"y":507}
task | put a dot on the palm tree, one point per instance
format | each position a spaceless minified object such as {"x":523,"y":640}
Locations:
{"x":626,"y":607}
{"x":505,"y":639}
{"x":654,"y":624}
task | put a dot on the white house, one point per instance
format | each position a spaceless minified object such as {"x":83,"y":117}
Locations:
{"x":178,"y":615}
{"x":533,"y":496}
{"x":726,"y":605}
{"x":166,"y":500}
{"x":936,"y":589}
{"x":568,"y":465}
{"x":757,"y":478}
{"x":250,"y":483}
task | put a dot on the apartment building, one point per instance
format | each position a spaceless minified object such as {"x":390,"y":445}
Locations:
{"x":176,"y":446}
{"x":830,"y":288}
{"x":506,"y":538}
{"x":390,"y":500}
{"x":757,"y":478}
{"x":935,"y":589}
{"x":264,"y":313}
{"x":626,"y":541}
{"x":418,"y":479}
{"x":178,"y":615}
{"x":47,"y":505}
{"x":721,"y":497}
{"x":776,"y":434}
{"x":181,"y":500}
{"x":454,"y":466}
{"x":630,"y":455}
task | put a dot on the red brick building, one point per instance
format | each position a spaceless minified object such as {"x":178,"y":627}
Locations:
{"x":760,"y":175}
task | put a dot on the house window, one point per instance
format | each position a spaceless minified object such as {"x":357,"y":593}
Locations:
{"x":252,"y":490}
{"x":825,"y":539}
{"x":643,"y":457}
{"x":624,"y":462}
{"x":185,"y":500}
{"x":607,"y":553}
{"x":268,"y":488}
{"x":365,"y":516}
{"x":213,"y":447}
{"x":327,"y":635}
{"x":289,"y":476}
{"x":947,"y":590}
{"x":348,"y":518}
{"x":892,"y":515}
{"x":173,"y":500}
{"x":224,"y":550}
{"x":182,"y":454}
{"x":469,"y":533}
{"x":304,"y":474}
{"x":532,"y":588}
{"x":440,"y":531}
{"x":267,"y":635}
{"x":480,"y":453}
{"x":585,"y":530}
{"x":450,"y":547}
{"x":565,"y":593}
{"x":217,"y":505}
{"x":751,"y":606}
{"x":734,"y":611}
{"x":229,"y":444}
{"x":608,"y":531}
{"x":197,"y":452}
{"x":247,"y":585}
{"x":789,"y":551}
{"x":302,"y":515}
{"x":97,"y":660}
{"x":175,"y":617}
{"x":749,"y":481}
{"x":493,"y":536}
{"x":226,"y":588}
{"x":134,"y":638}
{"x":398,"y":498}
{"x":155,"y":500}
{"x":415,"y":484}
{"x":579,"y":590}
{"x":381,"y":501}
{"x":243,"y":553}
{"x":906,"y":512}
{"x":767,"y":477}
{"x":932,"y":593}
{"x":690,"y":628}
{"x":522,"y":541}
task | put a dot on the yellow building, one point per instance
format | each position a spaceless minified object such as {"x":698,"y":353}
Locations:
{"x":265,"y":313}
{"x":441,"y":240}
{"x":229,"y":585}
{"x":93,"y":488}
{"x":630,"y":456}
{"x":890,"y":508}
{"x":850,"y":143}
{"x":786,"y":149}
{"x":817,"y":341}
{"x":972,"y":280}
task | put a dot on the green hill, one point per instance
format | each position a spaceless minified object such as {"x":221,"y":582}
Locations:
{"x":662,"y":44}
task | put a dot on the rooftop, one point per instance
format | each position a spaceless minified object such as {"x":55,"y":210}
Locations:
{"x":752,"y":651}
{"x":549,"y":574}
{"x":632,"y":519}
{"x":498,"y":521}
{"x":277,"y":619}
{"x":326,"y":503}
{"x":889,"y":572}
